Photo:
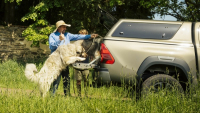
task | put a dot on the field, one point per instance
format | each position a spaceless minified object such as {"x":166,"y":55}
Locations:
{"x":17,"y":94}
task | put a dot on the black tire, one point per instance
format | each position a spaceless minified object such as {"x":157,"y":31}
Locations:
{"x":160,"y":81}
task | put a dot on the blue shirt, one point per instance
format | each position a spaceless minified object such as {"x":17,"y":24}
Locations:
{"x":54,"y":41}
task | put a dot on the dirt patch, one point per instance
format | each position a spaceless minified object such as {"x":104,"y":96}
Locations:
{"x":14,"y":91}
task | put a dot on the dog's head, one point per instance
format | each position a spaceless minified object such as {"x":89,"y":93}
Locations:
{"x":89,"y":47}
{"x":80,"y":51}
{"x":92,"y":47}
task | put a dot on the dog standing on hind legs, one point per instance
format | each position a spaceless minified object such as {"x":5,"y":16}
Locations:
{"x":55,"y":63}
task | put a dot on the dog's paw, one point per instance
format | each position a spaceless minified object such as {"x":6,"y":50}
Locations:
{"x":81,"y":59}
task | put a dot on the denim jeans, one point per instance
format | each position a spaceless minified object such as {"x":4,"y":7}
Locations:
{"x":66,"y":82}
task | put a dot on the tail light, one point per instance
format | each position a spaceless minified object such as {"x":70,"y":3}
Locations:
{"x":106,"y":56}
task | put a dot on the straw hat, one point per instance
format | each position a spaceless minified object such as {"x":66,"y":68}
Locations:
{"x":59,"y":23}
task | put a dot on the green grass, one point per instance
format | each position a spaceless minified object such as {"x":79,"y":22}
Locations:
{"x":103,"y":100}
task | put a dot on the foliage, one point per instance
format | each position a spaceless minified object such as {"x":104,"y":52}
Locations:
{"x":36,"y":34}
{"x":76,"y":13}
{"x":81,"y":14}
{"x":17,"y":1}
{"x":40,"y":12}
{"x":24,"y":96}
{"x":130,"y":9}
{"x":22,"y":102}
{"x":183,"y":10}
{"x":116,"y":2}
{"x":12,"y":75}
{"x":35,"y":13}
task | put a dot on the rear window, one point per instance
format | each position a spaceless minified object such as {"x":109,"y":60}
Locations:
{"x":146,"y":30}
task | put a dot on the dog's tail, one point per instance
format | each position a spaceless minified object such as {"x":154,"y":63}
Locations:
{"x":30,"y":72}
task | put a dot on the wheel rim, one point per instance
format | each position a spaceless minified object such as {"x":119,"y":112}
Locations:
{"x":162,"y":85}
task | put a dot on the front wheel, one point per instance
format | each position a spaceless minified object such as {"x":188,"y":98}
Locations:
{"x":159,"y":82}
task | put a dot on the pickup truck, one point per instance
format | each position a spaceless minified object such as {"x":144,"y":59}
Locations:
{"x":151,"y":54}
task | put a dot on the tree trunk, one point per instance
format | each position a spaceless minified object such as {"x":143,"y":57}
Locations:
{"x":9,"y":13}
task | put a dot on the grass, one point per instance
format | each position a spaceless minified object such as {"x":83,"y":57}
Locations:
{"x":105,"y":99}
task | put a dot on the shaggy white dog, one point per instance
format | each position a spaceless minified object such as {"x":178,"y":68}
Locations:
{"x":55,"y":63}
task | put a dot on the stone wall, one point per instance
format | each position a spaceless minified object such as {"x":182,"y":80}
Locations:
{"x":14,"y":46}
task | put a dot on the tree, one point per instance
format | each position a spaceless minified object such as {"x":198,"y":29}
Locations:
{"x":129,"y":9}
{"x":9,"y":11}
{"x":47,"y":12}
{"x":183,"y":10}
{"x":12,"y":11}
{"x":43,"y":14}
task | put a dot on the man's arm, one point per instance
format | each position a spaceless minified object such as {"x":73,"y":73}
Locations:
{"x":73,"y":37}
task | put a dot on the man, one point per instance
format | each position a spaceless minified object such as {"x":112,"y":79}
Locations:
{"x":60,"y":37}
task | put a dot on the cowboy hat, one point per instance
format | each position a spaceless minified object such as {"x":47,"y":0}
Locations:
{"x":60,"y":23}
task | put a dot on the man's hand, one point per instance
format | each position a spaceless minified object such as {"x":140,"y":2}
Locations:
{"x":94,"y":35}
{"x":61,"y":37}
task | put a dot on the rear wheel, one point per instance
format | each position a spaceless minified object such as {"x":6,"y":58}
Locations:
{"x":160,"y":82}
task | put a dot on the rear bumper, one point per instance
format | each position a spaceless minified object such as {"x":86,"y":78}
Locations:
{"x":104,"y":75}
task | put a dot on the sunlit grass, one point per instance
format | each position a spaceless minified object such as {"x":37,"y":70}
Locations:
{"x":21,"y":95}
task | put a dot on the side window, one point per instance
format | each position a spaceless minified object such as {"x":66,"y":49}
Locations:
{"x":146,"y":30}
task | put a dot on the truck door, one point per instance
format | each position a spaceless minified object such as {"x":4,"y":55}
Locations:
{"x":196,"y":42}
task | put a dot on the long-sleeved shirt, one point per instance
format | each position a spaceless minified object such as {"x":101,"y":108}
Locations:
{"x":54,"y":41}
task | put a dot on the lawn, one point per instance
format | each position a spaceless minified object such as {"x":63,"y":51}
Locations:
{"x":20,"y":95}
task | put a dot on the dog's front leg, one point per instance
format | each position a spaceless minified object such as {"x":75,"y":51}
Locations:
{"x":70,"y":60}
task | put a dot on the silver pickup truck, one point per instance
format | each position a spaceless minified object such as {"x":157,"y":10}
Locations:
{"x":151,"y":54}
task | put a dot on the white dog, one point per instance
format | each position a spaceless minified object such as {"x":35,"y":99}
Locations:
{"x":55,"y":63}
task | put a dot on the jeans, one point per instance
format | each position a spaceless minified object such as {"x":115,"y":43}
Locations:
{"x":66,"y":82}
